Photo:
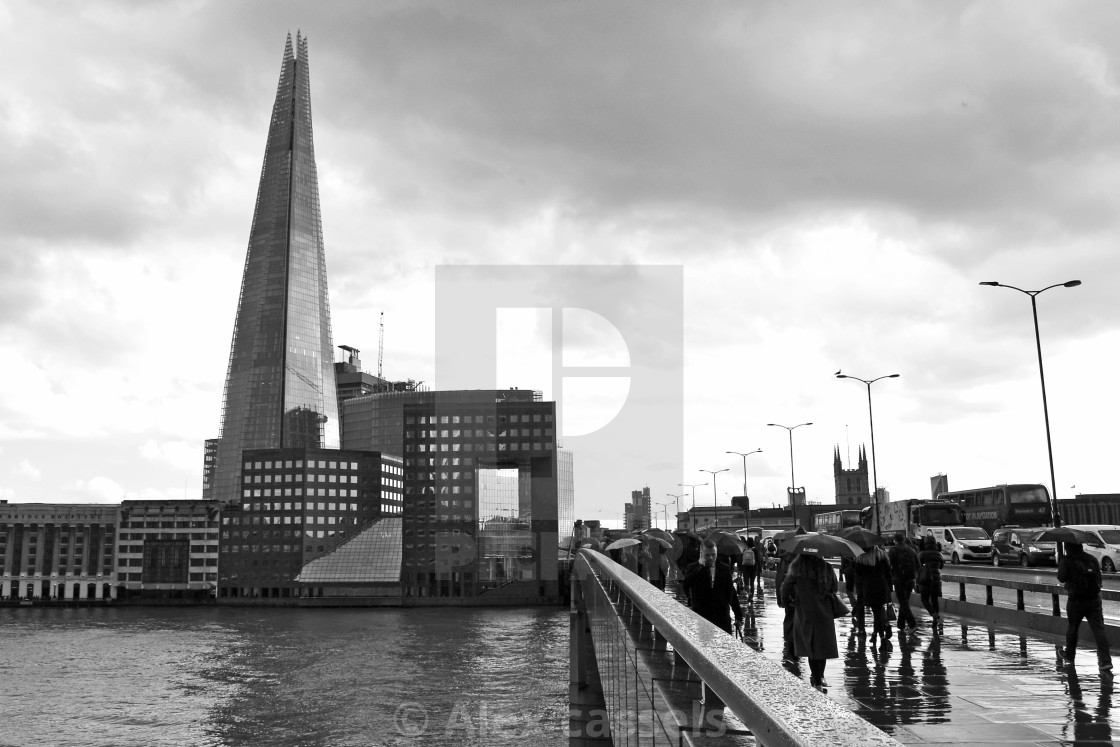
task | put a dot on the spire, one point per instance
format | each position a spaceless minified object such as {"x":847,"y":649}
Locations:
{"x":280,"y":387}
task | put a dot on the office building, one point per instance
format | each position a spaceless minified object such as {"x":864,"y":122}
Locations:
{"x":480,"y":488}
{"x":168,"y":550}
{"x":636,"y":513}
{"x":58,"y":551}
{"x":295,"y":506}
{"x":280,"y":387}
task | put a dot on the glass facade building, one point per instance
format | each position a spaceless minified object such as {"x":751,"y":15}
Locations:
{"x":297,"y":505}
{"x":480,"y":487}
{"x":280,"y":387}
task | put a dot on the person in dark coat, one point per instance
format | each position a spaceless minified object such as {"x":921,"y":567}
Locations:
{"x":930,"y":564}
{"x":1080,"y":573}
{"x":904,"y":574}
{"x":873,"y":575}
{"x":711,"y":591}
{"x":810,"y":584}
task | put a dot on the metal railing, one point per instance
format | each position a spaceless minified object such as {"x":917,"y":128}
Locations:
{"x":667,"y":675}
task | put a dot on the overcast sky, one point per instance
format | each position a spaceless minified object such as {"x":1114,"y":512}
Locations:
{"x":834,"y":178}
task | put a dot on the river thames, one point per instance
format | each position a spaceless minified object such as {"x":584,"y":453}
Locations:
{"x":101,"y":677}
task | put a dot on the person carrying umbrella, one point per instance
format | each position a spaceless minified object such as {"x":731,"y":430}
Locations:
{"x":710,"y":590}
{"x":809,"y":587}
{"x":1080,"y":573}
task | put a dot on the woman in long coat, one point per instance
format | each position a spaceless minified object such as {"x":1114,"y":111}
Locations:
{"x":811,"y":584}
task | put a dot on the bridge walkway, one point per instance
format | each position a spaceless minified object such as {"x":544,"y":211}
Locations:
{"x":967,"y":683}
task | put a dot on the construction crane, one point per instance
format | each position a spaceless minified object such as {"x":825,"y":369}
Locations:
{"x":381,"y":345}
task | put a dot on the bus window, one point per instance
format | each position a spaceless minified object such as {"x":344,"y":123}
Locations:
{"x":1028,"y":495}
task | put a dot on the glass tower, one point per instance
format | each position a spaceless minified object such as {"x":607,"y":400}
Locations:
{"x":280,"y":384}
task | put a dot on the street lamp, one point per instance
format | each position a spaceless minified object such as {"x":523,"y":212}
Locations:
{"x":793,"y":483}
{"x":1042,"y":378}
{"x":756,"y":451}
{"x":715,"y":497}
{"x":697,"y":485}
{"x":677,"y":498}
{"x":665,"y":511}
{"x":874,"y":461}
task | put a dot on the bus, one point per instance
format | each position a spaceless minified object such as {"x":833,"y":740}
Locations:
{"x":913,"y":518}
{"x":832,"y":522}
{"x":1003,"y":505}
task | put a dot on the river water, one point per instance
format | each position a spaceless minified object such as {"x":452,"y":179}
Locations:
{"x":101,"y":677}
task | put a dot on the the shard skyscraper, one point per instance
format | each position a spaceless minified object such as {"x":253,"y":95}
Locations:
{"x":280,"y":384}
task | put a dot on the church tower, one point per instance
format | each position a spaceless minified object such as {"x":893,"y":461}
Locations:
{"x":852,"y":487}
{"x":280,"y":383}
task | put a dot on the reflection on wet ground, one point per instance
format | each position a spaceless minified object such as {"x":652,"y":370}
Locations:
{"x":963,"y":684}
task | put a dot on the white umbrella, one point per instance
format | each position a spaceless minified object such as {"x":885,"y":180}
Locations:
{"x":626,"y":542}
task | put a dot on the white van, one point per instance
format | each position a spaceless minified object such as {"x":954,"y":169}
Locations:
{"x":963,"y":544}
{"x":1106,"y":547}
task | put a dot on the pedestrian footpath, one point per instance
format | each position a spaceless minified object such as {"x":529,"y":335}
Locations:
{"x":965,"y":683}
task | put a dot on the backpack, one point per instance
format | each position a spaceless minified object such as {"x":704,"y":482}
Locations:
{"x":929,"y":574}
{"x":748,"y":558}
{"x":1082,"y":580}
{"x":906,"y":564}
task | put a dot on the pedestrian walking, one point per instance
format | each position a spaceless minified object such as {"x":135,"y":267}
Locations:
{"x":786,"y":603}
{"x":1080,"y":573}
{"x":711,"y":591}
{"x":749,"y":569}
{"x":930,"y":564}
{"x":809,"y":586}
{"x":904,"y":574}
{"x":873,"y":576}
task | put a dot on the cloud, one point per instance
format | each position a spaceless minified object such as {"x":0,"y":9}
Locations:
{"x":178,"y":454}
{"x":28,"y":470}
{"x":97,"y":489}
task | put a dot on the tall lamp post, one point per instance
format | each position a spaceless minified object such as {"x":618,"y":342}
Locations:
{"x":665,"y":511}
{"x":697,"y":485}
{"x":1042,"y":378}
{"x":874,"y":461}
{"x":747,"y":454}
{"x":792,"y":482}
{"x":677,"y":498}
{"x":715,"y":496}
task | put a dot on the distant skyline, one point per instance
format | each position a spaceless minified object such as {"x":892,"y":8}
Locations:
{"x":835,"y":180}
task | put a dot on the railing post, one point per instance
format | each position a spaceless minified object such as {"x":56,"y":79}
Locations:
{"x":990,"y":601}
{"x":1057,"y":605}
{"x":962,"y":596}
{"x":1019,"y":603}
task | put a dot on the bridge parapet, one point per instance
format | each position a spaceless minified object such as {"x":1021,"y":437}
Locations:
{"x":666,"y":675}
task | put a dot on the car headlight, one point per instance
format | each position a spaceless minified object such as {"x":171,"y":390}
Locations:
{"x":1032,"y":548}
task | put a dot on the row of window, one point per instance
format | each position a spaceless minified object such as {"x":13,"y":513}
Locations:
{"x":135,"y":536}
{"x":298,"y":492}
{"x":298,"y":464}
{"x":424,"y":448}
{"x":453,"y":419}
{"x":194,"y":548}
{"x":489,"y":433}
{"x":299,"y":477}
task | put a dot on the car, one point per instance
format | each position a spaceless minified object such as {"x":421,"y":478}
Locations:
{"x":1106,"y":547}
{"x":1020,"y":546}
{"x":964,"y":544}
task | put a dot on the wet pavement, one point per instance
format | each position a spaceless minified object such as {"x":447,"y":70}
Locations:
{"x":966,"y":683}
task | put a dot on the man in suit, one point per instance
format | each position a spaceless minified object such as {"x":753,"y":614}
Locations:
{"x":710,"y":590}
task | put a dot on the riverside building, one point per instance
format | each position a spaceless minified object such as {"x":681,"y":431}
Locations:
{"x":58,"y":551}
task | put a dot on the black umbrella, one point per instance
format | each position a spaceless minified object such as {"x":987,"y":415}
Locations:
{"x":821,"y":545}
{"x":1066,"y":534}
{"x":862,"y":537}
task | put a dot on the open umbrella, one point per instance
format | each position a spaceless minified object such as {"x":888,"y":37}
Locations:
{"x":862,"y":537}
{"x":726,"y":542}
{"x":822,"y":545}
{"x":659,"y":533}
{"x":786,"y":534}
{"x":1066,"y":534}
{"x":664,"y":543}
{"x":624,"y":542}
